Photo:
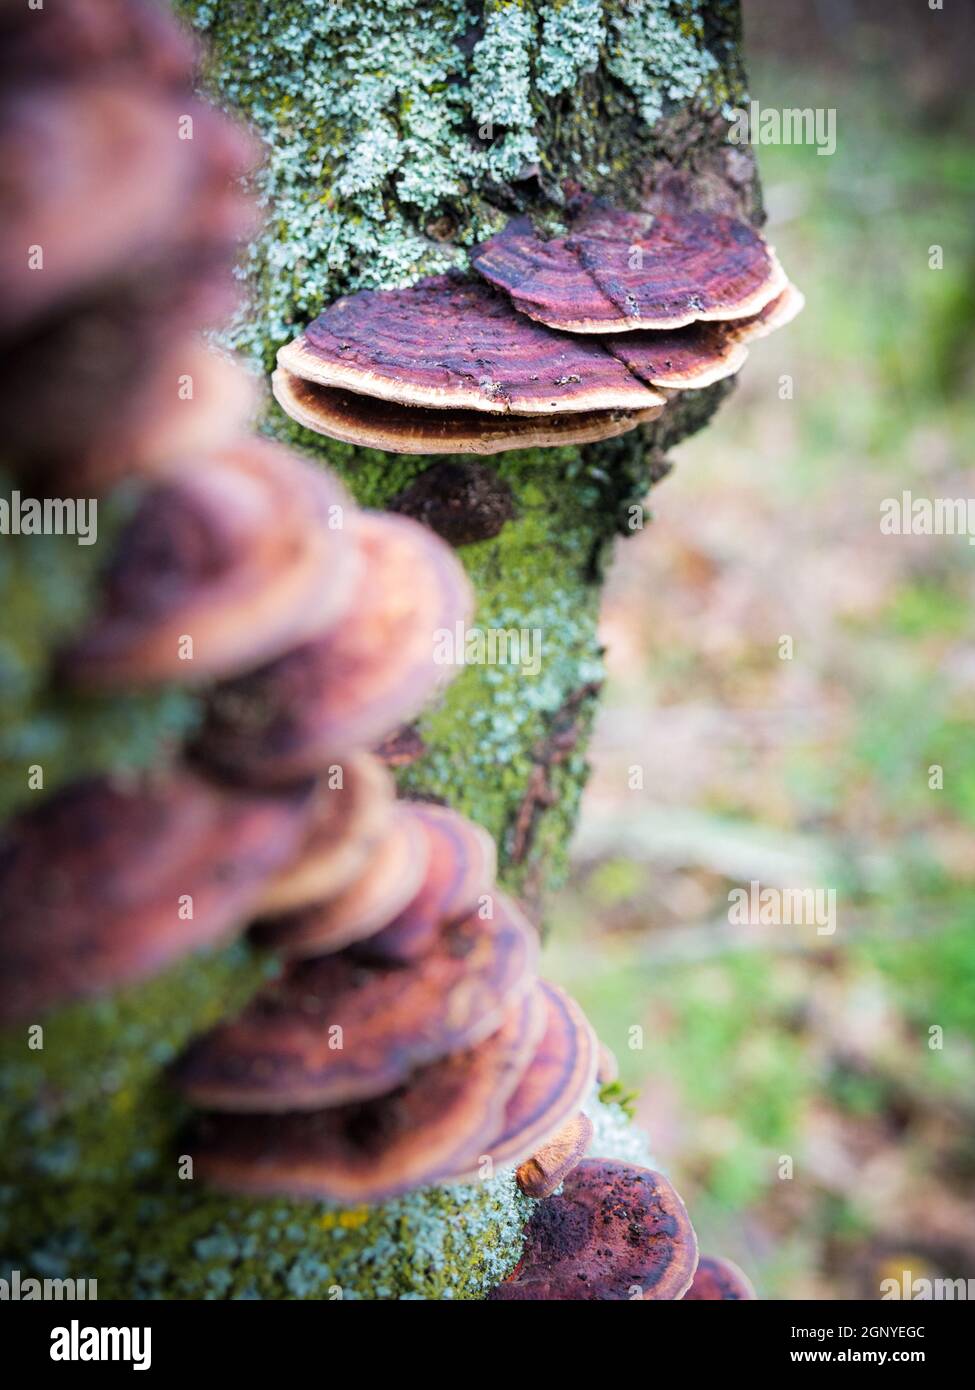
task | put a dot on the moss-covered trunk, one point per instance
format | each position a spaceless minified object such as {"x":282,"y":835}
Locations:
{"x":399,"y":133}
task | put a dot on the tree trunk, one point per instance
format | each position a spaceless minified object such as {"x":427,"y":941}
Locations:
{"x":399,"y":133}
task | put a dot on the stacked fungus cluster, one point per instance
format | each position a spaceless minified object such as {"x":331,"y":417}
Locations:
{"x":563,"y":341}
{"x":406,"y":1038}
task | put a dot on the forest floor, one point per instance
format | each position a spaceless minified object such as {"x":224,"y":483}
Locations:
{"x":795,"y":1083}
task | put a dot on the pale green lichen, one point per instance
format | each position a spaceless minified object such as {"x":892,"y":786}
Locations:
{"x":656,"y":50}
{"x":573,"y":32}
{"x":501,"y":87}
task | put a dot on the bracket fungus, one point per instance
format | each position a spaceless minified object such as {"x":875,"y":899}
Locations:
{"x":615,"y":1232}
{"x":719,"y":1280}
{"x":345,"y":822}
{"x":375,"y":1149}
{"x":408,"y":429}
{"x":337,"y":1029}
{"x":556,"y":1082}
{"x":621,"y":270}
{"x":389,"y":879}
{"x":449,"y":366}
{"x":461,"y":862}
{"x":202,"y":585}
{"x":108,"y":885}
{"x":453,"y":344}
{"x":571,"y":340}
{"x":703,"y":352}
{"x":369,"y":673}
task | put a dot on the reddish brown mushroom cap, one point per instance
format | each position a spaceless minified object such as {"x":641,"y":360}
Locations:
{"x":555,"y":1084}
{"x":460,"y":868}
{"x":453,"y":344}
{"x":334,"y":1029}
{"x":776,"y":314}
{"x":110,"y":150}
{"x":372,"y":1150}
{"x":374,"y":670}
{"x":347,"y":818}
{"x":718,"y":1280}
{"x":103,"y":886}
{"x":390,"y":878}
{"x":551,"y":1164}
{"x":161,"y":423}
{"x":65,"y":41}
{"x":641,"y":271}
{"x":680,"y":358}
{"x":615,"y":1232}
{"x":239,"y":555}
{"x":107,"y":150}
{"x":545,"y":279}
{"x":408,"y":429}
{"x":701,"y":353}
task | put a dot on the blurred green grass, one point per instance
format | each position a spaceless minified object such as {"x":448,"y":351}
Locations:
{"x":815,"y":1049}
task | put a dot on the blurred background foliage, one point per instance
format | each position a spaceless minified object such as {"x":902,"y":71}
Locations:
{"x":765,"y":1047}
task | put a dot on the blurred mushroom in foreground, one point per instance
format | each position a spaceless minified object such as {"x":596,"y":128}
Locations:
{"x":104,"y":885}
{"x":461,"y":862}
{"x":336,"y":1028}
{"x":361,"y":678}
{"x":719,"y":1280}
{"x":223,"y":566}
{"x":369,"y":1151}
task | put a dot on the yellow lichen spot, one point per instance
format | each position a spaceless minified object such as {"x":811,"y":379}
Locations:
{"x":343,"y":1220}
{"x":352,"y":1220}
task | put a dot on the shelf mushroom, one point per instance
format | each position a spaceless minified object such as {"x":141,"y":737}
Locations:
{"x":336,"y":1029}
{"x":375,"y":1149}
{"x":408,"y":429}
{"x":438,"y":357}
{"x":619,"y":270}
{"x":389,"y":879}
{"x":703,"y":352}
{"x":555,"y":1084}
{"x":351,"y":809}
{"x":615,"y":1232}
{"x":461,"y":861}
